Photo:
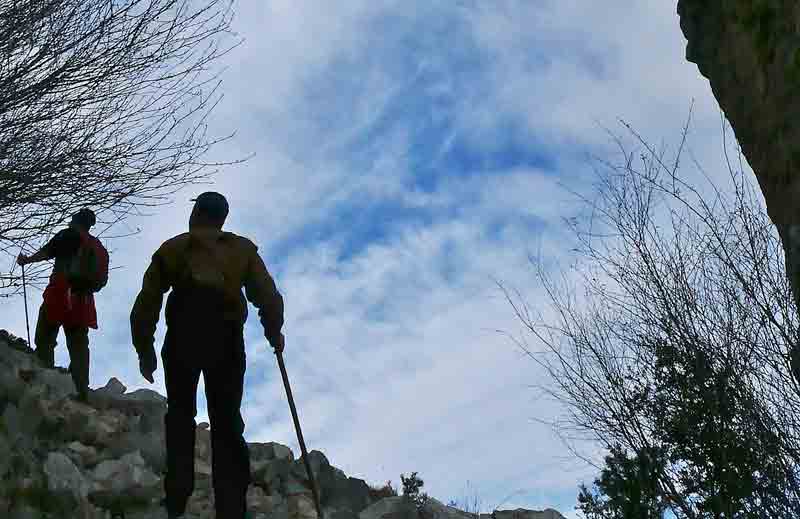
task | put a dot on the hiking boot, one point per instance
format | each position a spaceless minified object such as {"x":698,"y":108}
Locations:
{"x":170,"y":513}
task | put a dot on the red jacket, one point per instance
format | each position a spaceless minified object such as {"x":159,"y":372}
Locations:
{"x":68,"y":308}
{"x":63,"y":306}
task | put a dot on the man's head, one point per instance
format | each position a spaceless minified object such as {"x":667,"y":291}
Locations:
{"x":210,"y":210}
{"x":84,"y":219}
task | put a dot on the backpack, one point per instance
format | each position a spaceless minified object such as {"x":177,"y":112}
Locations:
{"x":88,"y":269}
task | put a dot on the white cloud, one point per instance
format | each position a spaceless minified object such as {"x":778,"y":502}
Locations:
{"x":393,"y":353}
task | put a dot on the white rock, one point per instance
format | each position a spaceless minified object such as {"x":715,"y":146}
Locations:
{"x":11,"y":422}
{"x":439,"y":510}
{"x":64,"y":477}
{"x":282,"y":451}
{"x":146,"y":395}
{"x":521,"y":513}
{"x":302,"y":507}
{"x":113,"y":387}
{"x":86,"y":453}
{"x":58,"y":384}
{"x":127,"y":472}
{"x":394,"y":507}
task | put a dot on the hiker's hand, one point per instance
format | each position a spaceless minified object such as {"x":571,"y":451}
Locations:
{"x":147,"y":365}
{"x":279,"y":343}
{"x":22,"y":260}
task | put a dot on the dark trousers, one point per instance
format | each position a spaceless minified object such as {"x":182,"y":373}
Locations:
{"x":77,"y":344}
{"x":216,"y":351}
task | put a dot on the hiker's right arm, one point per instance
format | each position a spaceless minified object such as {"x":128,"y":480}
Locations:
{"x":261,"y":291}
{"x":42,"y":255}
{"x":50,"y":250}
{"x":147,"y":308}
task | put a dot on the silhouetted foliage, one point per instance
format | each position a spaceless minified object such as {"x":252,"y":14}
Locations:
{"x":103,"y":103}
{"x":680,"y":341}
{"x":627,"y":488}
{"x":411,"y":490}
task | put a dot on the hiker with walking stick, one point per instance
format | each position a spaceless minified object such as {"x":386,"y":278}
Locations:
{"x":205,"y":269}
{"x":80,"y":270}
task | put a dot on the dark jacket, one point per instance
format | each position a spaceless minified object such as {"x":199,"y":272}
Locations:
{"x":206,"y":270}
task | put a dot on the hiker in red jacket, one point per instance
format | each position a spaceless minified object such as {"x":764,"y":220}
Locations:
{"x":81,"y":268}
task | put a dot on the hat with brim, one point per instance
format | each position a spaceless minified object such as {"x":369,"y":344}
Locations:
{"x":212,"y":204}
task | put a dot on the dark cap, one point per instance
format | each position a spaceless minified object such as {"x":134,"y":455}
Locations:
{"x":85,"y":217}
{"x":212,"y":204}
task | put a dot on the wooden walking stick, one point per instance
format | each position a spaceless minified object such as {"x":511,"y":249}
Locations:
{"x":314,"y":491}
{"x":25,"y":300}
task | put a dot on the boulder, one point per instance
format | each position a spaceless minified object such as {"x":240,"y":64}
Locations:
{"x":147,"y":395}
{"x":128,"y":474}
{"x":273,"y":475}
{"x":104,"y":459}
{"x":150,"y":446}
{"x":521,"y":513}
{"x":63,"y":477}
{"x":113,"y":387}
{"x":390,"y":508}
{"x":257,"y":499}
{"x":270,"y":451}
{"x":58,"y":384}
{"x":84,"y":455}
{"x":202,"y":444}
{"x":10,"y":388}
{"x":438,"y":510}
{"x":301,"y":507}
{"x":11,"y":423}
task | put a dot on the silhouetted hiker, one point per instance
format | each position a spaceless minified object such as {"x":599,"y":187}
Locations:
{"x":206,"y":269}
{"x":81,"y":268}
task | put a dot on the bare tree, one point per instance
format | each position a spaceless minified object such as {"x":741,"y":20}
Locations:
{"x":103,"y":103}
{"x":680,"y":338}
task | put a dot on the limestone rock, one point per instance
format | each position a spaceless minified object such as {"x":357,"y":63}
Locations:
{"x":270,"y":451}
{"x":390,"y":508}
{"x":86,"y":454}
{"x":273,"y":475}
{"x":11,"y":422}
{"x":750,"y":52}
{"x":302,"y":507}
{"x":58,"y":384}
{"x":125,"y":474}
{"x":63,"y":477}
{"x":528,"y":514}
{"x":150,"y":446}
{"x":113,"y":387}
{"x":146,"y":395}
{"x":105,"y":459}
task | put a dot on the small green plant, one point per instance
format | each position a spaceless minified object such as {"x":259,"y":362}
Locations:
{"x":411,"y":490}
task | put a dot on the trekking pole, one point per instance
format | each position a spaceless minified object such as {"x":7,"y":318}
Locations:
{"x":25,"y":299}
{"x":299,"y":433}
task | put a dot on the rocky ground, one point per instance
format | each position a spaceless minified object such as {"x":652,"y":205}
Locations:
{"x":63,"y":459}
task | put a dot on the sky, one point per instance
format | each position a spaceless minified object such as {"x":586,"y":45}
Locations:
{"x":407,"y":156}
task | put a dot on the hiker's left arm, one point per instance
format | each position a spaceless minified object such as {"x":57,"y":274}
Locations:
{"x":147,"y":308}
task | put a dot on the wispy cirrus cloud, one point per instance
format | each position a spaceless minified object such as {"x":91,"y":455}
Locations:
{"x":407,"y":155}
